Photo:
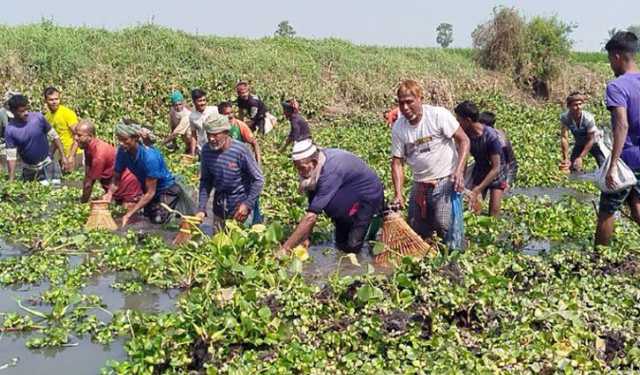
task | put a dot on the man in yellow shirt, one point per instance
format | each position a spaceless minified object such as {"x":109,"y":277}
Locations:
{"x":64,"y":120}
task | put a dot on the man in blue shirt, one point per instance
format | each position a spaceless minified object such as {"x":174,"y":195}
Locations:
{"x":228,"y":166}
{"x":490,"y":169}
{"x":27,"y":135}
{"x":158,"y":184}
{"x":341,"y":185}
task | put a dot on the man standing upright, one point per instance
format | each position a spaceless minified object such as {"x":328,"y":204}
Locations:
{"x":178,"y":122}
{"x":622,"y":98}
{"x":26,"y":136}
{"x":200,"y":112}
{"x":63,"y":120}
{"x":431,"y":141}
{"x":227,"y":166}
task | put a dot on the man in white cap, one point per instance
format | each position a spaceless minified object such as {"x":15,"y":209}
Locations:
{"x":341,"y":185}
{"x":228,"y":166}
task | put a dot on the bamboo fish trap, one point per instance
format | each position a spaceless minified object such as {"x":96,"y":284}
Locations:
{"x":188,"y":226}
{"x":100,"y":216}
{"x":400,"y":240}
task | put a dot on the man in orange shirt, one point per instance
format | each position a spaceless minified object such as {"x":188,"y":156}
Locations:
{"x":240,"y":131}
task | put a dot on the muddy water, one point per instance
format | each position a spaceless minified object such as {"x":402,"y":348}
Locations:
{"x":85,"y":357}
{"x":152,"y":299}
{"x":537,"y":247}
{"x":555,"y":194}
{"x":325,"y":261}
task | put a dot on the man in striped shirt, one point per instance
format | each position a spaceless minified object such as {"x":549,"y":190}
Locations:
{"x":228,"y":167}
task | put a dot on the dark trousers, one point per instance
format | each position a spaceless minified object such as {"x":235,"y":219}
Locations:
{"x":351,"y":231}
{"x":595,"y":151}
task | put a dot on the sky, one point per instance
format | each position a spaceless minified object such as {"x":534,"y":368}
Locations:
{"x":373,"y":22}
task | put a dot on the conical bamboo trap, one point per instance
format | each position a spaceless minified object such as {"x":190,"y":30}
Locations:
{"x":100,"y":216}
{"x":188,"y":226}
{"x":400,"y":240}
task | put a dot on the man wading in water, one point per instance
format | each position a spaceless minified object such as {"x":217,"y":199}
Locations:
{"x":622,"y":98}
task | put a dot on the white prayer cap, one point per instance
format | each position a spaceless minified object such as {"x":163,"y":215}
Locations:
{"x":303,"y":149}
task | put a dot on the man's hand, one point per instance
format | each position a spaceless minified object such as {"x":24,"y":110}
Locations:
{"x":107,"y":197}
{"x":126,"y":218}
{"x":577,"y":164}
{"x":201,"y":215}
{"x":399,"y":201}
{"x":71,"y":164}
{"x":474,"y":201}
{"x":458,"y":181}
{"x":609,"y":177}
{"x":242,"y":212}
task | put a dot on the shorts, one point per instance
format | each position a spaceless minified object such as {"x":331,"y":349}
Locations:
{"x":48,"y":174}
{"x":595,"y":151}
{"x":612,"y":202}
{"x":436,"y":216}
{"x":501,"y":182}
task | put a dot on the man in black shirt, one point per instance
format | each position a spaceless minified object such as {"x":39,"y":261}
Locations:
{"x":253,"y":111}
{"x":299,"y":127}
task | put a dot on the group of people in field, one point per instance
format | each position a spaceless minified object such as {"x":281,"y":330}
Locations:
{"x":432,"y":141}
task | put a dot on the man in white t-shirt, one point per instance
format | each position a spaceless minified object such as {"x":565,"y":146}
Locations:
{"x":432,"y":143}
{"x":201,"y":111}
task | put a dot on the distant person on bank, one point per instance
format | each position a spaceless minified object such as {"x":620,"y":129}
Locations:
{"x":196,"y":119}
{"x":587,"y":136}
{"x":342,"y":186}
{"x":432,"y":143}
{"x":63,"y":119}
{"x":158,"y":184}
{"x":253,"y":110}
{"x":299,"y":126}
{"x":99,"y":162}
{"x":27,"y":135}
{"x":178,"y":123}
{"x":622,"y":98}
{"x":227,"y":166}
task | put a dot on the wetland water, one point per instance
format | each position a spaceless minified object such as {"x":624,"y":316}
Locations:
{"x":86,"y":357}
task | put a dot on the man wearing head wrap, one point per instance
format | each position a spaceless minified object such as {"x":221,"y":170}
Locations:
{"x":228,"y":167}
{"x":158,"y":184}
{"x":341,"y":185}
{"x":178,"y":122}
{"x":587,"y":136}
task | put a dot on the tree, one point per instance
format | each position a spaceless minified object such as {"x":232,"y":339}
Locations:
{"x":532,"y":52}
{"x":445,"y":34}
{"x":285,"y":30}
